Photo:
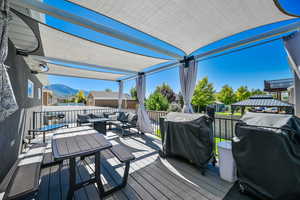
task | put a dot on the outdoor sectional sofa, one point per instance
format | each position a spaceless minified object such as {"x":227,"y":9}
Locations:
{"x":124,"y":121}
{"x":83,"y":119}
{"x":121,"y":120}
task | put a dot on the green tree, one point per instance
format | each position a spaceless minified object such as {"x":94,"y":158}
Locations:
{"x":242,"y":93}
{"x":157,"y":101}
{"x":166,"y":91}
{"x":226,"y":95}
{"x":133,"y":93}
{"x":257,"y":92}
{"x":108,"y":90}
{"x":203,"y":94}
{"x":80,"y":97}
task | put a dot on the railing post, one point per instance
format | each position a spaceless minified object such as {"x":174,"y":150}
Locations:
{"x":33,"y":120}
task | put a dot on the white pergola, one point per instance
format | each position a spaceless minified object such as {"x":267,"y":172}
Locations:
{"x":185,"y":25}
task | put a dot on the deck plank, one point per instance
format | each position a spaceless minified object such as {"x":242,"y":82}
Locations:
{"x":54,"y":184}
{"x":150,"y":176}
{"x":64,"y":174}
{"x":44,"y":184}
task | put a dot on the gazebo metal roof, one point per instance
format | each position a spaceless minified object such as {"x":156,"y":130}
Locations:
{"x":261,"y":101}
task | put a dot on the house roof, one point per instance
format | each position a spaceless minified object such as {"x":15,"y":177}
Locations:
{"x":263,"y":96}
{"x":108,"y":95}
{"x":262,"y":101}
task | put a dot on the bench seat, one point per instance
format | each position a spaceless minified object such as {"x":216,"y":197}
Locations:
{"x":24,"y":181}
{"x":124,"y":156}
{"x":122,"y":153}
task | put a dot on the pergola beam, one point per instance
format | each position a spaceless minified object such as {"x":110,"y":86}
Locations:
{"x":66,"y":75}
{"x":69,"y":17}
{"x":55,"y":60}
{"x":257,"y":38}
{"x":162,"y":68}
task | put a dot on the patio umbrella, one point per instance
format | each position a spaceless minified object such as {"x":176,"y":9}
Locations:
{"x":8,"y":103}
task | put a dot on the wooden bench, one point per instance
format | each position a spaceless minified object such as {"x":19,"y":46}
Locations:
{"x":23,"y":180}
{"x":124,"y":156}
{"x":46,"y":129}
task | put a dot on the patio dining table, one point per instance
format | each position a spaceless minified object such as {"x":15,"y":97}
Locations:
{"x":68,"y":146}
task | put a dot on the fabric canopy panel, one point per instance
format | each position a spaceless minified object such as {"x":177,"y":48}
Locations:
{"x":64,"y":46}
{"x":81,"y":73}
{"x":191,"y":24}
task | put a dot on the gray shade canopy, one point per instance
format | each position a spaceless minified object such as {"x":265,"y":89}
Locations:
{"x":185,"y":26}
{"x":189,"y":25}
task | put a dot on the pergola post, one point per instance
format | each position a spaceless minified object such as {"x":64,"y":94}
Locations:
{"x":120,"y":99}
{"x":188,"y":77}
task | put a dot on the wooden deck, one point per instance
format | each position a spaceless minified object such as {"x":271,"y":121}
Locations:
{"x":151,"y":177}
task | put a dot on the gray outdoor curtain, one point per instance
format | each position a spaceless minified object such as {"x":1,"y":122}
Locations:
{"x":8,"y":103}
{"x":143,"y":123}
{"x":188,"y":76}
{"x":292,"y":48}
{"x":121,"y":86}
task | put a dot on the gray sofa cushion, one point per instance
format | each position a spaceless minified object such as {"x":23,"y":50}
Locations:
{"x":83,"y":118}
{"x":132,"y":118}
{"x":98,"y":115}
{"x":123,"y":117}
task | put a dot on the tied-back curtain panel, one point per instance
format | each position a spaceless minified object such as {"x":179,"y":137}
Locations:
{"x":188,"y":77}
{"x":292,"y":48}
{"x":144,"y":123}
{"x":8,"y":103}
{"x":121,"y":86}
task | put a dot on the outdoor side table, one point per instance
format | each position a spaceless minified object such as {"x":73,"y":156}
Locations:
{"x":69,"y":147}
{"x":99,"y":124}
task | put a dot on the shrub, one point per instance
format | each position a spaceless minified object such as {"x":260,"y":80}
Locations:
{"x":157,"y":101}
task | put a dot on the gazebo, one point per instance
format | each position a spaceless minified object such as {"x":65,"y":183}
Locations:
{"x":261,"y":101}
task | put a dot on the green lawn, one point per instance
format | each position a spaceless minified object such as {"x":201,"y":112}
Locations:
{"x":227,"y":113}
{"x":217,"y":140}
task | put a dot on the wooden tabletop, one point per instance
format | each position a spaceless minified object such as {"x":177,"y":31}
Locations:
{"x":78,"y":145}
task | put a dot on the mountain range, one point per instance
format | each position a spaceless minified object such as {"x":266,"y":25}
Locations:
{"x":61,"y":90}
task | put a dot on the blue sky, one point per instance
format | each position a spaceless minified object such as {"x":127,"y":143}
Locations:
{"x":248,"y":67}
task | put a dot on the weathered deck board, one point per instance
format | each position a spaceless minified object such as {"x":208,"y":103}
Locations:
{"x":150,"y":176}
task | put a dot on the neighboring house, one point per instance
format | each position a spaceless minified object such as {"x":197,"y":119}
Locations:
{"x":48,"y":97}
{"x":219,"y":106}
{"x":278,"y":88}
{"x":110,"y":99}
{"x":291,"y":94}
